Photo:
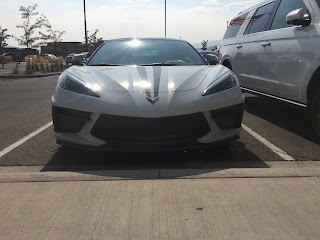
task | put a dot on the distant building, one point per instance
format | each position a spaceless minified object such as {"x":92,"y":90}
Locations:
{"x":62,"y":48}
{"x":8,"y":49}
{"x":22,"y":52}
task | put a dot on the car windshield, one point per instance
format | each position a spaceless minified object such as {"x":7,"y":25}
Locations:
{"x":146,"y":52}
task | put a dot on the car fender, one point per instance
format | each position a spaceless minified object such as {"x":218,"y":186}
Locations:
{"x":226,"y":53}
{"x":303,"y":88}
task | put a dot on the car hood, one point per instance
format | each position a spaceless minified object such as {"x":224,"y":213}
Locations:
{"x":145,"y":78}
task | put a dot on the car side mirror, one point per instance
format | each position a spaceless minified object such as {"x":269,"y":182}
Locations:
{"x":298,"y":18}
{"x":77,"y":60}
{"x":212,"y":59}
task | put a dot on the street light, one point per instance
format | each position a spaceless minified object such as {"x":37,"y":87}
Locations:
{"x":165,"y":18}
{"x":85,"y":25}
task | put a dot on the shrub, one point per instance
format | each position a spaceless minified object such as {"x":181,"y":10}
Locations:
{"x":34,"y":66}
{"x":7,"y":59}
{"x":15,"y":70}
{"x":44,"y":64}
{"x":42,"y":68}
{"x":61,"y":63}
{"x":51,"y":67}
{"x":57,"y":66}
{"x":47,"y":67}
{"x":29,"y":69}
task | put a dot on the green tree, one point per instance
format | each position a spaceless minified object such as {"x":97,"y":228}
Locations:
{"x":4,"y":37}
{"x":31,"y":22}
{"x":204,"y":44}
{"x":50,"y":35}
{"x":93,"y":40}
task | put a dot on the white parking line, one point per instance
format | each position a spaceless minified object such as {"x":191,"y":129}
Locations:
{"x":23,"y":140}
{"x":264,"y":141}
{"x":268,"y":144}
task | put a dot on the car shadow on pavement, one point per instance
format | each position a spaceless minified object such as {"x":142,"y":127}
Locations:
{"x":283,"y":115}
{"x":204,"y":161}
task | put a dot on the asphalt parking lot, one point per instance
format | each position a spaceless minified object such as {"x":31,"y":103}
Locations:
{"x":25,"y":107}
{"x":266,"y":186}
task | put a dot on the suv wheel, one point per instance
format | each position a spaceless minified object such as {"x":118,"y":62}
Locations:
{"x":315,"y":113}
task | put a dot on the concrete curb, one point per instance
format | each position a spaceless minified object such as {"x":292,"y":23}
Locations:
{"x":19,"y":76}
{"x":117,"y":175}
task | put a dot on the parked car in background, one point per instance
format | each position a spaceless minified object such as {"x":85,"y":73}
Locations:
{"x":85,"y":56}
{"x":274,"y":49}
{"x":10,"y":54}
{"x":48,"y":55}
{"x":204,"y":53}
{"x":147,"y":94}
{"x":69,"y":58}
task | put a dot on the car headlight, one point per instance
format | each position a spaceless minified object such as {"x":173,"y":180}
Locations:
{"x":224,"y":82}
{"x":75,"y":84}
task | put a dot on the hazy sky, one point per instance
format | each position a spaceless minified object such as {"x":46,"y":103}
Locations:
{"x":193,"y":20}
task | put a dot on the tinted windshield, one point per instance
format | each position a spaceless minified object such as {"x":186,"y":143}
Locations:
{"x":146,"y":52}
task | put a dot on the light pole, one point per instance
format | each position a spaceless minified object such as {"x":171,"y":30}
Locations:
{"x":165,"y":18}
{"x":85,"y":25}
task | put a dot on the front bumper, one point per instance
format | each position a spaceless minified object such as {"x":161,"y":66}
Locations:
{"x":111,"y":132}
{"x":150,"y":147}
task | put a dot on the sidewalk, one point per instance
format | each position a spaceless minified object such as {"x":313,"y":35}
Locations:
{"x":8,"y":67}
{"x":208,"y":207}
{"x":6,"y":73}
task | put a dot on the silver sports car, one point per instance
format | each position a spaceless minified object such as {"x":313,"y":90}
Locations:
{"x":147,"y":94}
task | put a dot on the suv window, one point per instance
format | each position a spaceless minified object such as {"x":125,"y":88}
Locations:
{"x":235,"y":26}
{"x":260,"y":19}
{"x":285,"y":7}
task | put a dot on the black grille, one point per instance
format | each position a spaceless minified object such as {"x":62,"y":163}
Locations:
{"x":228,"y":118}
{"x":69,"y":120}
{"x":116,"y":129}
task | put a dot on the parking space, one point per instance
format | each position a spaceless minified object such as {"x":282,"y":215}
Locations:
{"x":25,"y":106}
{"x":42,"y":150}
{"x":285,"y":126}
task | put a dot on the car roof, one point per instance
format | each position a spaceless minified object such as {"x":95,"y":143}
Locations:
{"x":255,"y":6}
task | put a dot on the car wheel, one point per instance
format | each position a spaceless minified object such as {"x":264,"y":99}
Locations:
{"x":315,"y":113}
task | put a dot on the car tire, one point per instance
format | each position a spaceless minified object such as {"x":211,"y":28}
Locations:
{"x":315,"y":113}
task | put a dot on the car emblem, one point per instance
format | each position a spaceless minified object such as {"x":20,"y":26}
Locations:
{"x":153,"y":101}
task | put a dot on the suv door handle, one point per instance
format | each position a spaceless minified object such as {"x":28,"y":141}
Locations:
{"x":239,"y":46}
{"x":266,"y":44}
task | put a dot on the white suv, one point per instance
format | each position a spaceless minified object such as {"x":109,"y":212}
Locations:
{"x":274,"y":49}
